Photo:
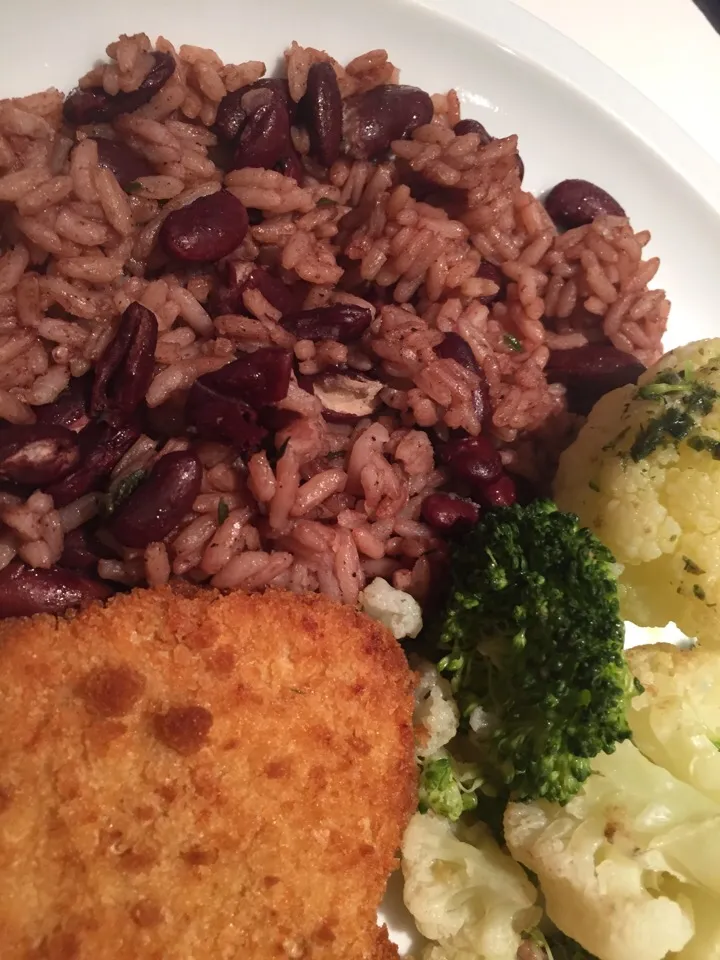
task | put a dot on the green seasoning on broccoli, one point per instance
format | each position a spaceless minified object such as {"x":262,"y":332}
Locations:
{"x":535,"y":638}
{"x":446,"y":788}
{"x":682,"y":398}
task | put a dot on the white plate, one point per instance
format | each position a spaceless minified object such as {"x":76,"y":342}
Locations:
{"x":575,"y":118}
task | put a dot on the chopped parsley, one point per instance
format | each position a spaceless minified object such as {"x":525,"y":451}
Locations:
{"x":326,"y":202}
{"x":682,"y":399}
{"x":133,"y":187}
{"x":120,"y":490}
{"x":692,"y":567}
{"x":698,"y":591}
{"x":594,"y":486}
{"x":510,"y":341}
{"x":704,"y":443}
{"x":223,"y":512}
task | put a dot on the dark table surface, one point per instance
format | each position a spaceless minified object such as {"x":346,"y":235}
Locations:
{"x":711,"y":9}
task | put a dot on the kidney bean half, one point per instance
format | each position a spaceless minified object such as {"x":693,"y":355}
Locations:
{"x":25,"y":591}
{"x":124,"y":371}
{"x":96,"y":106}
{"x":454,"y":347}
{"x":344,"y":322}
{"x":102,"y":444}
{"x":259,"y":378}
{"x":231,"y":115}
{"x":473,"y":460}
{"x":500,"y":492}
{"x":572,"y":203}
{"x":205,"y":230}
{"x":228,"y":296}
{"x":322,"y":110}
{"x":591,"y":371}
{"x":37,"y":454}
{"x":373,"y":119}
{"x":215,"y":415}
{"x":463,"y":127}
{"x":71,"y":406}
{"x":449,"y":514}
{"x":156,"y":507}
{"x":265,"y":137}
{"x":126,"y":164}
{"x":82,"y":550}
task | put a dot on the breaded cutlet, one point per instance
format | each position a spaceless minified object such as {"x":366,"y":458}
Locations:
{"x":201,"y":777}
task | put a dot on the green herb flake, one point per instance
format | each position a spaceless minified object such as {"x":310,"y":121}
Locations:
{"x":594,"y":486}
{"x":223,"y":512}
{"x":121,"y":490}
{"x":326,"y":202}
{"x":698,"y":591}
{"x":692,"y":567}
{"x":702,"y":443}
{"x":133,"y":187}
{"x":510,"y":341}
{"x":684,"y":399}
{"x":715,"y":742}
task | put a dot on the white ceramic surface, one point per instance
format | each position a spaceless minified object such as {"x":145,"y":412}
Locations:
{"x":575,"y":118}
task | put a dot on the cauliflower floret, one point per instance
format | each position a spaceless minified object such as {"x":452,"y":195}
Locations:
{"x":397,"y":610}
{"x":464,"y":892}
{"x":436,"y":715}
{"x":622,"y":865}
{"x":644,"y":475}
{"x":676,"y":721}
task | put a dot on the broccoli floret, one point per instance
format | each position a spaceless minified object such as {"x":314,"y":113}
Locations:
{"x":535,"y":639}
{"x":446,"y":788}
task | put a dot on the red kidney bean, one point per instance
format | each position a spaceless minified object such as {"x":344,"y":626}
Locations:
{"x":344,"y":322}
{"x":291,"y":166}
{"x":101,"y":446}
{"x":572,"y":203}
{"x":258,"y":378}
{"x":94,"y":105}
{"x":37,"y":454}
{"x":372,"y":120}
{"x":127,"y":164}
{"x":472,"y":126}
{"x":232,"y":115}
{"x":125,"y":368}
{"x":473,"y":460}
{"x":207,"y":229}
{"x":453,"y":347}
{"x":25,"y":591}
{"x":322,"y":110}
{"x":156,"y":507}
{"x":449,"y":514}
{"x":70,"y":407}
{"x":227,"y":298}
{"x":489,"y":271}
{"x":82,"y":550}
{"x":499,"y":492}
{"x":590,"y":372}
{"x":265,"y":136}
{"x":232,"y":405}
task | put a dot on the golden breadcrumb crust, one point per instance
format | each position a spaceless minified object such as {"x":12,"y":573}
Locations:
{"x":201,"y":777}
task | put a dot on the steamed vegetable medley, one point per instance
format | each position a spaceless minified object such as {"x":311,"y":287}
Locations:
{"x":569,"y":800}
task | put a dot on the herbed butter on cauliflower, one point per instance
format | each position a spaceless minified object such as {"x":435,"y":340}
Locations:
{"x":464,"y":893}
{"x":630,"y":868}
{"x":644,"y":476}
{"x":397,"y":610}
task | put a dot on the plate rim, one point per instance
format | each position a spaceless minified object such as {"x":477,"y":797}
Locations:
{"x":524,"y":35}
